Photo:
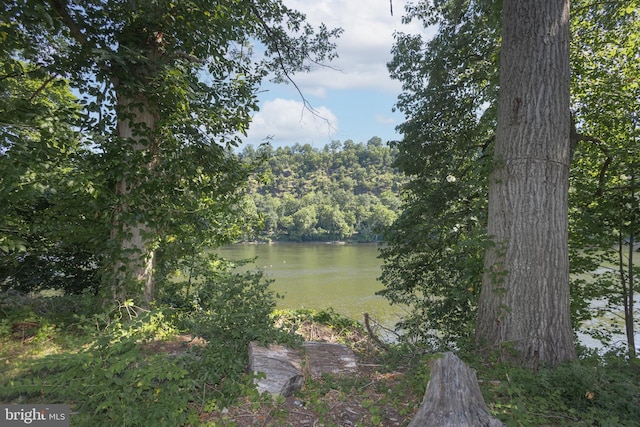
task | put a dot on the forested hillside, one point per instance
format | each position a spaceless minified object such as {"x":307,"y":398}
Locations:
{"x":344,"y":191}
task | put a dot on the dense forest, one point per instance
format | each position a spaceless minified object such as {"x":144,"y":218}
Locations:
{"x":344,"y":191}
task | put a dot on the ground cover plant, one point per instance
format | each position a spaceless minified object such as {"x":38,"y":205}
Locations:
{"x":134,"y":368}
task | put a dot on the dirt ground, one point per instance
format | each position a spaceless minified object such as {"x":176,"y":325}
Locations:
{"x":334,"y":407}
{"x":371,"y":397}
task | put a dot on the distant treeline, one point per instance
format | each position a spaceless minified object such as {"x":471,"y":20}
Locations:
{"x":345,"y":191}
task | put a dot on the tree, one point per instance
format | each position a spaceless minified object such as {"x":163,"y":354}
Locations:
{"x":331,"y":220}
{"x":168,"y":88}
{"x":340,"y":186}
{"x":524,"y":302}
{"x":304,"y":223}
{"x":433,"y":252}
{"x":433,"y":257}
{"x":49,"y":199}
{"x":604,"y":215}
{"x":381,"y":217}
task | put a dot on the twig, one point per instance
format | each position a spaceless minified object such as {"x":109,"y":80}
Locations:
{"x":41,"y":88}
{"x":373,"y":336}
{"x":281,"y":56}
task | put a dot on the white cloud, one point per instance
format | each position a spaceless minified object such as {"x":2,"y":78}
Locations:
{"x":364,"y":50}
{"x":288,"y":121}
{"x":364,"y":47}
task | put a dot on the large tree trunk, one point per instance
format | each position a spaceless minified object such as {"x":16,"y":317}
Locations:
{"x":524,"y":302}
{"x":134,"y":266}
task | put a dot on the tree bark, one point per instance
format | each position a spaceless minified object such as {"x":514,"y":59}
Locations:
{"x":524,"y":302}
{"x":453,"y":397}
{"x":134,"y":266}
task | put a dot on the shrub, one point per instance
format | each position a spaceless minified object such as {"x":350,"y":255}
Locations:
{"x":110,"y":381}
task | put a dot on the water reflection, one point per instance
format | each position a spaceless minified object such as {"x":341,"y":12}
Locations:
{"x":319,"y":276}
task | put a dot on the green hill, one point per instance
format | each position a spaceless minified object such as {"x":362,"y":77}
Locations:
{"x":344,"y":191}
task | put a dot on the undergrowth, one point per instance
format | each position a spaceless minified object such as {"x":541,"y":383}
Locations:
{"x":101,"y":363}
{"x":106,"y":366}
{"x":595,"y":390}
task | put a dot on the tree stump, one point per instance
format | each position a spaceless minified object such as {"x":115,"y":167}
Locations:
{"x":329,"y":358}
{"x":453,"y":397}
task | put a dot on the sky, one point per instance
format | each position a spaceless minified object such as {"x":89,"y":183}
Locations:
{"x":354,"y":97}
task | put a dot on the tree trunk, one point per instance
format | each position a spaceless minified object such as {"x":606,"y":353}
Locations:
{"x":628,"y":299}
{"x":627,"y":280}
{"x":134,"y":267}
{"x":453,"y":397}
{"x":524,"y":302}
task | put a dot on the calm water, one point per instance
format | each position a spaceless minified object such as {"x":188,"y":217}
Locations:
{"x":318,"y":276}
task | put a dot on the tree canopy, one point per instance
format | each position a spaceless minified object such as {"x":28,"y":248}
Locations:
{"x":344,"y":191}
{"x":433,"y":259}
{"x":604,"y":202}
{"x":162,"y":91}
{"x":449,"y":100}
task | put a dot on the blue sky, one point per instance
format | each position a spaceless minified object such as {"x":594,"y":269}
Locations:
{"x":355,"y":95}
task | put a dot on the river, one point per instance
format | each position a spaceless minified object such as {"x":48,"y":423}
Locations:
{"x":319,"y":276}
{"x":340,"y":276}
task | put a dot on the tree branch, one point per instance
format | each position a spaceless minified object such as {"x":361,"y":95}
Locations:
{"x":188,"y":57}
{"x":12,"y":75}
{"x":578,"y":137}
{"x":42,"y":86}
{"x":281,"y":60}
{"x":60,"y":7}
{"x":372,"y":334}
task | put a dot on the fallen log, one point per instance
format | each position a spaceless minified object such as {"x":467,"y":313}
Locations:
{"x":453,"y":397}
{"x":284,"y":368}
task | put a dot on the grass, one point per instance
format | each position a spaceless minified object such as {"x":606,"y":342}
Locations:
{"x":135,"y":371}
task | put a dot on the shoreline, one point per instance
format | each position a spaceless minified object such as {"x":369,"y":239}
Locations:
{"x":309,"y":242}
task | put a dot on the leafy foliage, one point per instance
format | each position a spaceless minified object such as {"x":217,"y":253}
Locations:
{"x":344,"y":191}
{"x":433,"y":260}
{"x":605,"y":185}
{"x":48,"y":227}
{"x":166,"y":90}
{"x":221,"y":304}
{"x":119,"y":378}
{"x":592,"y":391}
{"x":110,"y":380}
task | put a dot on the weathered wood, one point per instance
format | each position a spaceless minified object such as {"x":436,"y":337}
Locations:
{"x":453,"y":397}
{"x":284,"y":368}
{"x":281,"y":366}
{"x":329,"y":358}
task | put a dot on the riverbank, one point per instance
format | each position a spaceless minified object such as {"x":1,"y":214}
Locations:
{"x":136,"y":374}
